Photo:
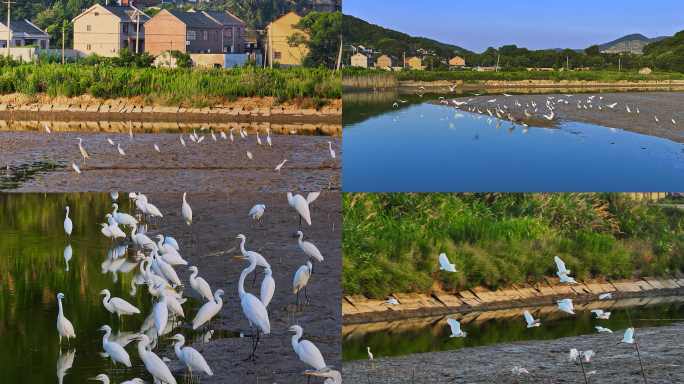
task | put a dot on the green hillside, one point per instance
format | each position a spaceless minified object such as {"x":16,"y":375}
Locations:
{"x":634,"y":42}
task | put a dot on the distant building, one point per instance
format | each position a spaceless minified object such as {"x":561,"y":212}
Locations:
{"x":252,"y":46}
{"x":361,"y":60}
{"x":457,"y":62}
{"x":541,"y":69}
{"x":362,"y":48}
{"x":349,"y":48}
{"x":234,"y":29}
{"x":486,"y":69}
{"x":415,"y":63}
{"x":387,"y":61}
{"x":645,"y":71}
{"x":277,"y":34}
{"x":321,"y":6}
{"x":23,"y":33}
{"x":106,"y":29}
{"x":191,"y":32}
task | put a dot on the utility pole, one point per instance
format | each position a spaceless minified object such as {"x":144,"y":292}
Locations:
{"x":270,"y":45}
{"x":567,"y":62}
{"x":497,"y":63}
{"x":339,"y":58}
{"x":8,"y":26}
{"x":137,"y":30}
{"x":619,"y":64}
{"x":63,"y":38}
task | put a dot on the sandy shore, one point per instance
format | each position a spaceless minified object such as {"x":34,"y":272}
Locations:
{"x":664,"y":105}
{"x":220,"y":166}
{"x":547,"y":361}
{"x":217,"y":219}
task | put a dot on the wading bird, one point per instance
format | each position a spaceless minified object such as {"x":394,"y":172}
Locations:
{"x":115,"y":351}
{"x":253,"y":308}
{"x":76,"y":168}
{"x":301,"y":279}
{"x":334,"y":377}
{"x":188,"y":355}
{"x":306,"y":350}
{"x":117,"y":305}
{"x":280,"y":165}
{"x":332,"y":153}
{"x":64,"y":326}
{"x":370,"y":355}
{"x":187,"y":212}
{"x":84,"y":153}
{"x":199,"y":284}
{"x":153,"y":363}
{"x":257,"y":211}
{"x":208,"y":310}
{"x":267,"y":287}
{"x":298,"y":202}
{"x":121,"y":151}
{"x":309,"y":249}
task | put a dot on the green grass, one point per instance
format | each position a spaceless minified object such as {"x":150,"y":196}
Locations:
{"x":392,"y":241}
{"x":369,"y":78}
{"x":170,"y":86}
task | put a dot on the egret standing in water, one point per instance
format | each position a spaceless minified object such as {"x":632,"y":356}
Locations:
{"x":332,"y":153}
{"x":253,"y":308}
{"x":370,"y":355}
{"x":64,"y":326}
{"x":68,"y":226}
{"x":84,"y":153}
{"x":199,"y":284}
{"x":153,"y":363}
{"x":121,"y":151}
{"x":208,"y":310}
{"x":306,"y":350}
{"x":187,"y":212}
{"x":280,"y":165}
{"x":260,"y":261}
{"x":114,"y":350}
{"x":192,"y":359}
{"x":117,"y":305}
{"x":75,"y":167}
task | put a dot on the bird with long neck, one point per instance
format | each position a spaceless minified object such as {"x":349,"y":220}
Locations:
{"x":253,"y":308}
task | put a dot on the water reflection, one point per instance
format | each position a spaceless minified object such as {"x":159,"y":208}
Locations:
{"x":318,"y":129}
{"x":419,"y":335}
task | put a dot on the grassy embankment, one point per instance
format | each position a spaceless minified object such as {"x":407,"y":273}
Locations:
{"x":193,"y":87}
{"x":383,"y":79}
{"x":392,"y":241}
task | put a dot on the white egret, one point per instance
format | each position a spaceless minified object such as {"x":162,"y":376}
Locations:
{"x":114,"y":228}
{"x":165,"y":248}
{"x":301,"y":278}
{"x":153,"y":363}
{"x":245,"y":254}
{"x":257,"y":211}
{"x":152,"y":210}
{"x":332,"y":153}
{"x":200,"y":139}
{"x":370,"y":355}
{"x":628,"y":338}
{"x":47,"y":128}
{"x":334,"y":376}
{"x":139,"y":238}
{"x":182,"y":141}
{"x":268,"y":140}
{"x":253,"y":308}
{"x":161,"y":313}
{"x":223,"y":136}
{"x":574,"y":354}
{"x":212,"y":135}
{"x":121,"y":151}
{"x":130,"y":131}
{"x":123,"y":218}
{"x":68,"y":225}
{"x":600,"y":314}
{"x":298,"y":202}
{"x":606,"y":296}
{"x":391,"y":301}
{"x":566,"y":279}
{"x":603,"y":330}
{"x":611,"y":106}
{"x":101,"y":377}
{"x":110,"y":141}
{"x":75,"y":167}
{"x":188,"y":355}
{"x":249,"y":154}
{"x":531,"y":322}
{"x":231,"y":134}
{"x":187,"y":212}
{"x":114,"y":350}
{"x":563,"y":306}
{"x":519,"y":370}
{"x":309,"y":249}
{"x":561,"y":266}
{"x":445,"y":265}
{"x":166,"y":269}
{"x":105,"y":230}
{"x":156,"y":148}
{"x":567,"y":302}
{"x":84,"y":153}
{"x":280,"y":165}
{"x":208,"y":310}
{"x":587,"y":355}
{"x":172,"y":242}
{"x":307,"y":351}
{"x":64,"y":326}
{"x":117,"y":305}
{"x":193,"y":138}
{"x":199,"y":284}
{"x":267,"y":287}
{"x":455,"y":329}
{"x":258,"y":139}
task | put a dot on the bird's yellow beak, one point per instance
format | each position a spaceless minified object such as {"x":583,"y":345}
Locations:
{"x":240,"y":257}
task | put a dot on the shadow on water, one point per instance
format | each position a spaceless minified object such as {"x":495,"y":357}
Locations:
{"x":420,"y":335}
{"x":38,"y":261}
{"x":12,"y":177}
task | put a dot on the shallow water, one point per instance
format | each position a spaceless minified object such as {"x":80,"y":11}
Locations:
{"x":406,"y":337}
{"x":429,"y":148}
{"x":37,"y":262}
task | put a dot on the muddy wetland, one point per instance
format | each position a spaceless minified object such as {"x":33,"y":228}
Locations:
{"x":40,"y":155}
{"x":492,"y":140}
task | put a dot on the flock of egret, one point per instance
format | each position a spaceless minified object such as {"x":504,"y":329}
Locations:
{"x":157,"y":271}
{"x":194,"y":137}
{"x":564,"y":305}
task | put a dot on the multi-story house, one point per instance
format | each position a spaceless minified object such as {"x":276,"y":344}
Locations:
{"x":233,"y":36}
{"x":191,"y":32}
{"x":23,"y":33}
{"x":106,"y":29}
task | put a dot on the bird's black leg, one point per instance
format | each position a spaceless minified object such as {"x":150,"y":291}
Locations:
{"x":312,"y":264}
{"x":256,"y":345}
{"x":307,"y":297}
{"x":297,"y":298}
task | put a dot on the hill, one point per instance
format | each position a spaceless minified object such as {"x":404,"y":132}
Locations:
{"x":356,"y":31}
{"x":634,"y":42}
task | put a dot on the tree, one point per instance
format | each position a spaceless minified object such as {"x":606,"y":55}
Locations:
{"x":320,"y":33}
{"x":432,"y":63}
{"x":594,"y":50}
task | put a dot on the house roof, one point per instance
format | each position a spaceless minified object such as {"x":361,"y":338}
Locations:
{"x":195,"y":19}
{"x":389,"y":57}
{"x":23,"y":26}
{"x":125,"y":14}
{"x":224,"y":17}
{"x":283,"y":16}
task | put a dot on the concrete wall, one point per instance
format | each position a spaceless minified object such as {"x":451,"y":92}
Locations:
{"x":31,"y":54}
{"x":278,"y":32}
{"x":165,"y":32}
{"x":104,"y":37}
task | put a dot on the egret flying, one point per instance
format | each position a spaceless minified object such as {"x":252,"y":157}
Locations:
{"x":606,"y":296}
{"x":563,"y":306}
{"x":531,"y":322}
{"x":628,"y":338}
{"x":455,"y":329}
{"x":587,"y":355}
{"x":561,"y":266}
{"x":603,"y":330}
{"x":445,"y":265}
{"x":566,"y":279}
{"x":600,"y":314}
{"x":574,"y":354}
{"x":391,"y":301}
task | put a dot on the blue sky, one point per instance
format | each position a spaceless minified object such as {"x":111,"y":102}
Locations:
{"x":534,"y":24}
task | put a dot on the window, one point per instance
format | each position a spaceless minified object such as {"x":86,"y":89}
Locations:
{"x":88,"y":28}
{"x":97,"y":13}
{"x":237,"y":32}
{"x":42,"y":44}
{"x":191,"y":35}
{"x":125,"y":29}
{"x":205,"y":36}
{"x":216,"y":36}
{"x":277,"y":55}
{"x":217,"y":65}
{"x":17,"y":43}
{"x":88,"y":47}
{"x":228,"y":32}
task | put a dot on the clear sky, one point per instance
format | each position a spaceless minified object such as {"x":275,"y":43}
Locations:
{"x":534,"y":24}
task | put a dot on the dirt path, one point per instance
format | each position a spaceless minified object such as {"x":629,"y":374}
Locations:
{"x":547,"y":361}
{"x":217,"y":219}
{"x":664,"y":105}
{"x":220,"y":166}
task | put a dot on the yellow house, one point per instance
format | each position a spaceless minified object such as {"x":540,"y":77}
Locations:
{"x":457,"y":62}
{"x":106,"y":29}
{"x":277,"y":48}
{"x":415,"y":63}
